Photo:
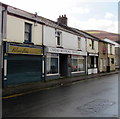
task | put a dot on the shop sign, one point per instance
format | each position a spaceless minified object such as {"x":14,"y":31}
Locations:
{"x":24,"y":50}
{"x":65,"y":51}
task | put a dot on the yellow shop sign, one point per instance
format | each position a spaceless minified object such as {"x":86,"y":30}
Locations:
{"x":24,"y":50}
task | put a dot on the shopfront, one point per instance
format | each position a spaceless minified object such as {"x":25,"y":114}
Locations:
{"x":22,"y":64}
{"x":92,"y":63}
{"x":64,"y":63}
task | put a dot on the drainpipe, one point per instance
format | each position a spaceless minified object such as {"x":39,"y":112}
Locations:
{"x":1,"y":40}
{"x":44,"y":56}
{"x":3,"y":8}
{"x":86,"y":62}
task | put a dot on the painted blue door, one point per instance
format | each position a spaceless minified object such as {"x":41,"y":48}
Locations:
{"x":23,"y":69}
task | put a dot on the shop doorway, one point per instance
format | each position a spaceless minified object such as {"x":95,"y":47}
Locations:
{"x":63,"y":65}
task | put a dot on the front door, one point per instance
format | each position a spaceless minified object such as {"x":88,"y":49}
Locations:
{"x":63,"y":65}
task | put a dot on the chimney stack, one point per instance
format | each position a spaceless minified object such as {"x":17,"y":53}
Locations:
{"x":62,"y":20}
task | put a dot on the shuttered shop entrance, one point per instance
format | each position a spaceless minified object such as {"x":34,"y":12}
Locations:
{"x":23,"y":69}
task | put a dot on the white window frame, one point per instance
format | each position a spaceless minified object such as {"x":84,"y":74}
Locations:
{"x":110,"y":49}
{"x":79,"y":43}
{"x":77,"y":59}
{"x":28,"y":32}
{"x":92,"y":44}
{"x":58,"y":36}
{"x":49,"y":55}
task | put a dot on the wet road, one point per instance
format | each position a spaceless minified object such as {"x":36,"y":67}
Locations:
{"x":92,"y":98}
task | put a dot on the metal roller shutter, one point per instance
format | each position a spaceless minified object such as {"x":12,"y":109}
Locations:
{"x":23,"y":69}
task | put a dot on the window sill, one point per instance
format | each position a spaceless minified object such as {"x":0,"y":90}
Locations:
{"x":59,"y":46}
{"x":29,"y":43}
{"x":79,"y":50}
{"x":78,"y":72}
{"x":53,"y":74}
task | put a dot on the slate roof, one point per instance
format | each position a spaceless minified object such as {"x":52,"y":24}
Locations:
{"x":33,"y":17}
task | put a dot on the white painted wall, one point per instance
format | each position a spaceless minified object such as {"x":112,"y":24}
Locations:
{"x":15,"y":30}
{"x":69,"y":41}
{"x":113,"y":49}
{"x":49,"y":36}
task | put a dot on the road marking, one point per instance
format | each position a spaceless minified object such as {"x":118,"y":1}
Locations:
{"x":11,"y":96}
{"x":29,"y":92}
{"x":48,"y":88}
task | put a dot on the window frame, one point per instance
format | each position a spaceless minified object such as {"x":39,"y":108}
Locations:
{"x":112,"y":61}
{"x":79,"y":43}
{"x":58,"y":36}
{"x":92,"y":44}
{"x":110,"y":49}
{"x":29,"y":32}
{"x":77,"y":57}
{"x":51,"y":55}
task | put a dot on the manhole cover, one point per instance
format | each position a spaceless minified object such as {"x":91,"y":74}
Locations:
{"x":95,"y":106}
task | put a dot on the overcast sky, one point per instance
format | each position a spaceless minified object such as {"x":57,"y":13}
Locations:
{"x":82,"y":14}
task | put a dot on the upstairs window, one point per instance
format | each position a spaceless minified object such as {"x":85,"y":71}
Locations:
{"x":92,"y":44}
{"x":79,"y":43}
{"x":28,"y":31}
{"x":58,"y":36}
{"x":110,"y":49}
{"x":112,"y":60}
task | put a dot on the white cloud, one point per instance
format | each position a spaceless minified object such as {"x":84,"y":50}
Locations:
{"x":51,"y":9}
{"x":79,"y":10}
{"x":95,"y":24}
{"x":109,"y":15}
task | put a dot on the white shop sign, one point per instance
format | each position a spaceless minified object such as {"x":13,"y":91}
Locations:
{"x":65,"y":51}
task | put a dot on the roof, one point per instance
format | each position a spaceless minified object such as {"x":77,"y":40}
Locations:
{"x":112,"y":42}
{"x":103,"y":34}
{"x":34,"y":17}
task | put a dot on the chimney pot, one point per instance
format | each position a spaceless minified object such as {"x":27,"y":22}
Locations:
{"x":62,"y":20}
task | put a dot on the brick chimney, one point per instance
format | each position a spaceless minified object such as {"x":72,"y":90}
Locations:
{"x":62,"y":20}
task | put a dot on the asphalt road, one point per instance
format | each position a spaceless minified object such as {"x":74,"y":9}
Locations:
{"x":92,"y":98}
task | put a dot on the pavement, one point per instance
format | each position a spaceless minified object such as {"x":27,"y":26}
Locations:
{"x":22,"y":89}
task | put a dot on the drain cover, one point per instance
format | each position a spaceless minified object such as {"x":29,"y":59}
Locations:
{"x":95,"y":106}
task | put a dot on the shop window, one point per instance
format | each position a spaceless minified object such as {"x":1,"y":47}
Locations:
{"x":92,"y":62}
{"x":52,"y":63}
{"x":58,"y":36}
{"x":77,"y":63}
{"x":112,"y":60}
{"x":79,"y":43}
{"x":28,"y":35}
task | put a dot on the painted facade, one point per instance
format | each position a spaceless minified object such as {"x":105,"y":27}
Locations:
{"x":35,"y":49}
{"x":23,"y":52}
{"x":111,"y":56}
{"x":64,"y":58}
{"x":92,"y":59}
{"x":117,"y":49}
{"x":103,"y":56}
